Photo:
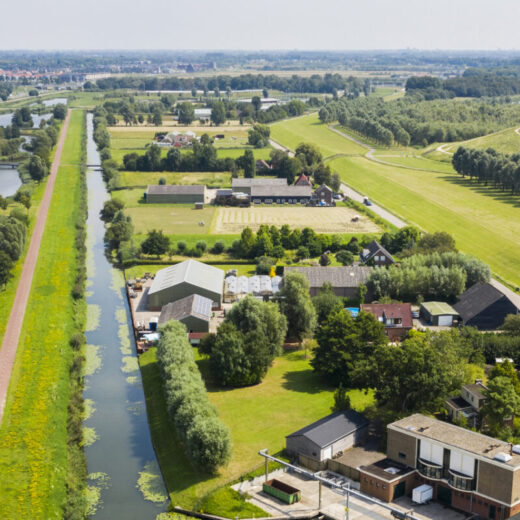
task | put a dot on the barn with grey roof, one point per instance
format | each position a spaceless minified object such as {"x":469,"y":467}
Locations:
{"x":185,"y":279}
{"x":345,"y":281}
{"x":175,"y":194}
{"x":194,"y":311}
{"x":323,"y":439}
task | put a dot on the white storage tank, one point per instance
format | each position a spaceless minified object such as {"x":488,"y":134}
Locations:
{"x":422,"y":494}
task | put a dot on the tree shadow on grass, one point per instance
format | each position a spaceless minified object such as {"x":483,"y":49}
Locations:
{"x":489,"y":191}
{"x":306,"y":381}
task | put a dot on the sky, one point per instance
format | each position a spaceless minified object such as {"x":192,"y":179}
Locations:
{"x":260,"y":25}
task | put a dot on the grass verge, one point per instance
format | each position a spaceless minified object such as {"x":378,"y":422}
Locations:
{"x":34,"y":455}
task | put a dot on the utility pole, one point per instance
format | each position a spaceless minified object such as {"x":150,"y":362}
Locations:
{"x":347,"y":508}
{"x":266,"y":468}
{"x":319,"y":495}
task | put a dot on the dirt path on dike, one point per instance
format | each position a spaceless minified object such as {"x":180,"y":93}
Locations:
{"x":14,"y":325}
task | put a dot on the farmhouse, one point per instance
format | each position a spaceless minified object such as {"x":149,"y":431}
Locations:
{"x":263,"y":166}
{"x":202,"y":113}
{"x":244,"y":185}
{"x":466,"y":470}
{"x":345,"y":281}
{"x":438,"y":314}
{"x":194,"y":311}
{"x":185,"y":279}
{"x":485,"y":306}
{"x":396,"y":318}
{"x":323,"y":439}
{"x":178,"y":140}
{"x":175,"y":194}
{"x":303,"y":180}
{"x":324,"y":195}
{"x":281,"y":194}
{"x":375,"y":254}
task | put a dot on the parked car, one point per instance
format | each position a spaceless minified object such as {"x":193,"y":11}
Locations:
{"x":366,"y":201}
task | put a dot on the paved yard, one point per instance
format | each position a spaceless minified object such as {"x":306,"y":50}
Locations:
{"x":333,"y":504}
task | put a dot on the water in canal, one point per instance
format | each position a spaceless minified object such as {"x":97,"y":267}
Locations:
{"x":124,"y":478}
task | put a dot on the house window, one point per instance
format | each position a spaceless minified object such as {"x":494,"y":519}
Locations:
{"x":377,"y":484}
{"x":384,"y":486}
{"x":366,"y":479}
{"x":402,"y":455}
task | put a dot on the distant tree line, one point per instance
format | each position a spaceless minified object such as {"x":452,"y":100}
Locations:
{"x":489,"y":167}
{"x":474,"y":82}
{"x":316,"y":83}
{"x":409,"y":121}
{"x":207,"y":438}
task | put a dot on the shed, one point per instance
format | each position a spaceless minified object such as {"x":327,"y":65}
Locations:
{"x":345,"y":281}
{"x":485,"y":306}
{"x":184,"y":279}
{"x":438,"y":314}
{"x":175,"y":194}
{"x":325,"y":438}
{"x":280,"y":194}
{"x":194,"y":311}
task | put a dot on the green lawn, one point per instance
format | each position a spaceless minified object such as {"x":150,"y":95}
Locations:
{"x":308,"y":129}
{"x":173,"y":219}
{"x":505,"y":141}
{"x":33,"y":436}
{"x":416,"y":161}
{"x":483,"y":221}
{"x":290,"y":397}
{"x":222,"y":179}
{"x":8,"y":294}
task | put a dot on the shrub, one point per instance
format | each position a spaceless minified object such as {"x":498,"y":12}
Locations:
{"x":218,"y":248}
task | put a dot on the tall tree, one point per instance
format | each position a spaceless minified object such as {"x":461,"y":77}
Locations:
{"x":186,"y":113}
{"x":501,"y":402}
{"x":218,"y":113}
{"x":296,"y":304}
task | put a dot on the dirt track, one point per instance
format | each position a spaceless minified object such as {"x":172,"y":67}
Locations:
{"x":14,"y":325}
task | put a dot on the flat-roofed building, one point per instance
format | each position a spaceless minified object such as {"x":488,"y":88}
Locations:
{"x":468,"y":471}
{"x":175,"y":194}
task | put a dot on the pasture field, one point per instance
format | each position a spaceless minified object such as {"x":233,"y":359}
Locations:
{"x":222,"y":179}
{"x":308,"y":129}
{"x":505,"y":141}
{"x":291,"y":396}
{"x":416,"y":161}
{"x":483,"y":221}
{"x":322,"y":220}
{"x":173,"y":219}
{"x":33,"y":435}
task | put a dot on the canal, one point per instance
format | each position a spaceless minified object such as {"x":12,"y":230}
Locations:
{"x":124,"y":477}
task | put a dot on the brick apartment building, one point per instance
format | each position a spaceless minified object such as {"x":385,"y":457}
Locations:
{"x":468,"y":471}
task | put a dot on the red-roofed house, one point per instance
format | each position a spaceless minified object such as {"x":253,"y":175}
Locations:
{"x":396,"y":318}
{"x":303,"y":180}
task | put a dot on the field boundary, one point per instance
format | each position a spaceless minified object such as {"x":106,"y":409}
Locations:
{"x":14,"y":325}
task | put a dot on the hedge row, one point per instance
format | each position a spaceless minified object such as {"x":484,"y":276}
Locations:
{"x":207,"y":438}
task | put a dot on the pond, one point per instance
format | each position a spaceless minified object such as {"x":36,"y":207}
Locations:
{"x":9,"y":181}
{"x":5,"y":119}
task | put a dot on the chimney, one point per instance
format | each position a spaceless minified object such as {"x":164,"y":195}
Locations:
{"x":478,"y":381}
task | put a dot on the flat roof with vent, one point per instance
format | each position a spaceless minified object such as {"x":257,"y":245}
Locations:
{"x":488,"y":448}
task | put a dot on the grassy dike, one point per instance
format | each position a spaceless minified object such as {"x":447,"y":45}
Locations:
{"x":41,"y":460}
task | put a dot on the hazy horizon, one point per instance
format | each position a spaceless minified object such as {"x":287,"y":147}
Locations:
{"x":274,"y":25}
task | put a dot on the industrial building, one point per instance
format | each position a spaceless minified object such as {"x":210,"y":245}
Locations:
{"x":194,"y":311}
{"x":185,"y":279}
{"x":466,"y":470}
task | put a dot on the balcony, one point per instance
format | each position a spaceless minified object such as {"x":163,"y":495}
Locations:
{"x":460,"y":481}
{"x":429,"y":469}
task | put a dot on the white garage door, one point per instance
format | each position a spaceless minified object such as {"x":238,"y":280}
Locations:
{"x":445,"y":321}
{"x":326,"y":453}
